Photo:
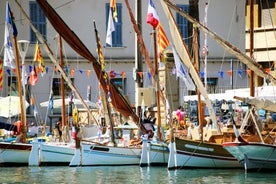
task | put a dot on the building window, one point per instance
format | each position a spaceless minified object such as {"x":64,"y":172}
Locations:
{"x":182,"y":23}
{"x":117,"y":34}
{"x":38,"y":19}
{"x":56,"y":87}
{"x":120,"y":83}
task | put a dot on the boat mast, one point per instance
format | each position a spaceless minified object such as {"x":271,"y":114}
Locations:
{"x":138,"y":55}
{"x":196,"y":64}
{"x":62,"y":84}
{"x":205,"y":49}
{"x":99,"y":49}
{"x":157,"y":88}
{"x":19,"y":86}
{"x":251,"y":82}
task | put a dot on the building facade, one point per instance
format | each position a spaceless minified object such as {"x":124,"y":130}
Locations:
{"x":224,"y":71}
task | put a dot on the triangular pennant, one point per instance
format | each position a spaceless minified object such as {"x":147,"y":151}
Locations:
{"x":140,"y":74}
{"x":267,"y":70}
{"x":229,"y":72}
{"x":88,"y":72}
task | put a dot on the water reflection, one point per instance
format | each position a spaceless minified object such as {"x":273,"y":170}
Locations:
{"x":129,"y":175}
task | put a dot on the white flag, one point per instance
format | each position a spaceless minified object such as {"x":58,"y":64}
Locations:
{"x":110,"y":28}
{"x":182,"y":72}
{"x":9,"y":58}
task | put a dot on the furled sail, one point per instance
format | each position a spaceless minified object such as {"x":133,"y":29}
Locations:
{"x":186,"y":58}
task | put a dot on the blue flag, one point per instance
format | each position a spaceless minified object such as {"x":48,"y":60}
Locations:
{"x":10,"y":19}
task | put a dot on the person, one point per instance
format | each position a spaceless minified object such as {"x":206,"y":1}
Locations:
{"x":148,"y":123}
{"x":180,"y":114}
{"x":59,"y":128}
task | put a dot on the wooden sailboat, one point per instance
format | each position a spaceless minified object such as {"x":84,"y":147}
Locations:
{"x":184,"y":152}
{"x":255,"y":152}
{"x":52,"y":153}
{"x":12,"y":154}
{"x":153,"y":152}
{"x":110,"y":153}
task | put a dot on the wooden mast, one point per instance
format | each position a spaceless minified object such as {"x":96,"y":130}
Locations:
{"x":62,"y":84}
{"x":99,"y":50}
{"x":251,"y":82}
{"x":19,"y":86}
{"x":157,"y":88}
{"x":196,"y":64}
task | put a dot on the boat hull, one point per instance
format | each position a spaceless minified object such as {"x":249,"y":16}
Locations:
{"x":254,"y":156}
{"x":14,"y":154}
{"x":99,"y":155}
{"x":54,"y":154}
{"x":154,"y":154}
{"x":196,"y":154}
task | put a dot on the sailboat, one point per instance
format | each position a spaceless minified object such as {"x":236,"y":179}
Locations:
{"x":187,"y":152}
{"x":154,"y":152}
{"x":196,"y":153}
{"x":255,"y":152}
{"x":12,"y":154}
{"x":255,"y":148}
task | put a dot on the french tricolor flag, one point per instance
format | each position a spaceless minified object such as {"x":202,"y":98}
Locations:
{"x":152,"y":17}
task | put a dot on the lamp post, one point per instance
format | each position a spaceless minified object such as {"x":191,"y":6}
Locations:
{"x":23,"y":48}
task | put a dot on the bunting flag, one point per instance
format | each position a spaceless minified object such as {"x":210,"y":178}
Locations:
{"x":88,"y":72}
{"x":267,"y":70}
{"x":1,"y":74}
{"x":38,"y":58}
{"x":114,"y":9}
{"x":33,"y":77}
{"x":181,"y":72}
{"x":152,"y":16}
{"x":72,"y":72}
{"x":110,"y":28}
{"x":221,"y":74}
{"x":162,"y":40}
{"x":9,"y":58}
{"x":229,"y":72}
{"x":240,"y":72}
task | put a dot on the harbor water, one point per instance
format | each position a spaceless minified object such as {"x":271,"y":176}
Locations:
{"x":130,"y":174}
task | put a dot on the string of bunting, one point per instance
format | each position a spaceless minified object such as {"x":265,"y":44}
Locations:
{"x":113,"y":73}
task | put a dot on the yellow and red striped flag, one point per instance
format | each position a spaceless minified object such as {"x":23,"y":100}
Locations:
{"x":162,"y":40}
{"x":1,"y":74}
{"x":38,"y":58}
{"x":114,"y":9}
